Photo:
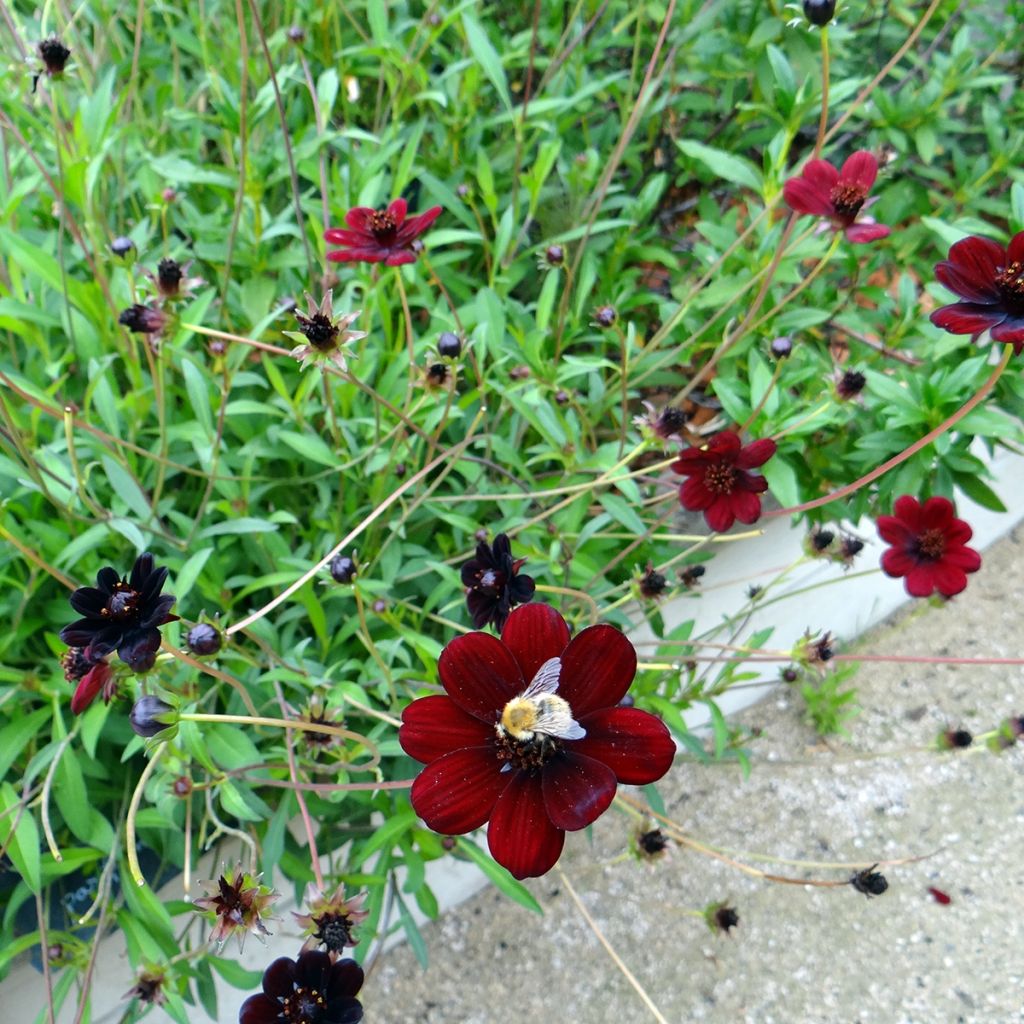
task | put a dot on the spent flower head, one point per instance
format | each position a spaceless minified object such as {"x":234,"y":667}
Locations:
{"x":323,"y":334}
{"x":236,"y":903}
{"x":331,"y":920}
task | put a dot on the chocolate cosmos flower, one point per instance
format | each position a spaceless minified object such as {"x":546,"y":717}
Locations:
{"x":990,"y":280}
{"x":719,"y":484}
{"x":122,"y":615}
{"x":94,"y":676}
{"x":822,"y":191}
{"x":310,"y":990}
{"x":929,"y":547}
{"x":529,"y":736}
{"x":380,"y":236}
{"x":493,"y":586}
{"x":239,"y":904}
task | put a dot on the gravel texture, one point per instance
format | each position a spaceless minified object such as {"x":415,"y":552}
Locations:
{"x":800,"y":954}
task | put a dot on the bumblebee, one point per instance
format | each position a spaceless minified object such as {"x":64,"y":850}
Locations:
{"x":538,"y":711}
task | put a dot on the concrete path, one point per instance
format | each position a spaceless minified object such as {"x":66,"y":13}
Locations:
{"x":800,"y":955}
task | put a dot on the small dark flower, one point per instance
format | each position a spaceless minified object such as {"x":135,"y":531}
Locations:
{"x":652,"y":844}
{"x":990,"y":280}
{"x":954,"y":739}
{"x":605,"y":316}
{"x":122,"y":246}
{"x":316,"y":714}
{"x":870,"y":882}
{"x":449,"y":346}
{"x":529,"y":737}
{"x":331,"y":919}
{"x":719,"y":483}
{"x":122,"y":614}
{"x":93,"y":675}
{"x":754,"y":591}
{"x":172,"y":280}
{"x":814,"y":651}
{"x":819,"y":12}
{"x":182,"y":787}
{"x":143,"y":319}
{"x":820,"y":540}
{"x":380,"y":236}
{"x":493,"y":584}
{"x":150,"y":715}
{"x":562,"y":397}
{"x":665,"y":424}
{"x":238,"y":902}
{"x":652,"y":584}
{"x":311,"y":990}
{"x":721,"y":918}
{"x":54,"y":55}
{"x":840,"y":196}
{"x":296,"y":34}
{"x":929,"y":547}
{"x":343,"y":569}
{"x":782,"y":347}
{"x":438,"y":375}
{"x":204,"y":639}
{"x":690,"y":575}
{"x":149,"y":988}
{"x":554,"y":256}
{"x":323,"y":334}
{"x":849,"y":384}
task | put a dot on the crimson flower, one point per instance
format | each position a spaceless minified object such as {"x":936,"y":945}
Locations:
{"x":311,"y":990}
{"x":929,"y":547}
{"x":380,"y":236}
{"x":719,"y":483}
{"x":93,"y":676}
{"x":822,"y":191}
{"x":529,"y":736}
{"x":990,"y":279}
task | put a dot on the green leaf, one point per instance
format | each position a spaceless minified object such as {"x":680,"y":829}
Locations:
{"x":125,"y":487}
{"x":498,"y":875}
{"x":311,"y":447}
{"x":978,"y":491}
{"x":487,"y":57}
{"x":724,"y":165}
{"x":20,"y":834}
{"x":235,"y":974}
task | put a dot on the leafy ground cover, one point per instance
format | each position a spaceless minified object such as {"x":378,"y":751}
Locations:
{"x":373,"y":332}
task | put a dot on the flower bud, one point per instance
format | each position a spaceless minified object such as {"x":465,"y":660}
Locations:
{"x":554,"y":256}
{"x":449,"y":346}
{"x":782,"y":347}
{"x":343,"y":569}
{"x":122,"y":246}
{"x":203,"y":639}
{"x":296,"y":34}
{"x":605,"y":316}
{"x":142,"y":319}
{"x":150,"y":715}
{"x":819,"y":12}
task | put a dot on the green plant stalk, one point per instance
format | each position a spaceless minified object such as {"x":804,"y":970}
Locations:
{"x":133,"y":810}
{"x":823,"y":123}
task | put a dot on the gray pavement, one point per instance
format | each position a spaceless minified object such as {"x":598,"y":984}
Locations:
{"x":800,"y":955}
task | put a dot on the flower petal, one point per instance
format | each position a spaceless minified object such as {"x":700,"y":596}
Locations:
{"x":949,"y":579}
{"x":893,"y":530}
{"x":803,"y":197}
{"x":1015,"y":250}
{"x":89,"y":687}
{"x":966,"y":559}
{"x":860,"y":233}
{"x":897,"y":562}
{"x":695,"y":495}
{"x":746,"y":505}
{"x":397,"y":209}
{"x":1011,"y":330}
{"x":434,"y":726}
{"x":279,"y":978}
{"x":339,"y":236}
{"x":520,"y":836}
{"x":534,"y":633}
{"x":719,"y":515}
{"x":966,"y":286}
{"x":908,"y":509}
{"x":920,"y":581}
{"x":397,"y":257}
{"x":978,"y":259}
{"x":89,"y":601}
{"x":416,"y":226}
{"x":821,"y":174}
{"x":967,"y":317}
{"x":861,"y":169}
{"x":311,"y":969}
{"x":633,"y":743}
{"x":346,"y":978}
{"x":356,"y":218}
{"x":757,"y":453}
{"x":365,"y":254}
{"x":480,"y":674}
{"x":455,"y":794}
{"x":598,"y":668}
{"x":260,"y":1009}
{"x":577,"y":790}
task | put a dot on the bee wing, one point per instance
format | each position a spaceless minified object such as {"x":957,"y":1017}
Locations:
{"x":555,"y":719}
{"x":545,"y":681}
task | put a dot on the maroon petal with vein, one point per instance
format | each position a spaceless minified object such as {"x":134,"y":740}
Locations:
{"x":967,"y":285}
{"x":719,"y":515}
{"x":534,"y":633}
{"x":804,"y":197}
{"x":577,"y":790}
{"x":756,"y":454}
{"x":521,"y":836}
{"x":598,"y":668}
{"x":861,"y":234}
{"x":633,"y":743}
{"x":397,"y":257}
{"x":861,"y":168}
{"x":456,"y":793}
{"x":480,"y":674}
{"x":435,"y":725}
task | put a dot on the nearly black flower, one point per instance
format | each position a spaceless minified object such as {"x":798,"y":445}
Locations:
{"x":311,"y":990}
{"x":324,"y":335}
{"x":122,"y":615}
{"x":54,"y":55}
{"x":143,"y":319}
{"x":493,"y":584}
{"x":239,"y":903}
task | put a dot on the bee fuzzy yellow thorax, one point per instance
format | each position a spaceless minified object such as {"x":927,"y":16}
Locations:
{"x":538,"y":711}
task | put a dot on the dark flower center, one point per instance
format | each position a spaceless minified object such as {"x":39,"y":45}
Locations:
{"x":1010,"y":282}
{"x":931,"y":545}
{"x":847,"y":198}
{"x":720,"y":478}
{"x":303,"y":1006}
{"x":123,"y":602}
{"x":382,"y":226}
{"x":527,"y":755}
{"x":318,"y":330}
{"x":334,"y":931}
{"x":490,"y":580}
{"x":168,"y":274}
{"x":672,"y":418}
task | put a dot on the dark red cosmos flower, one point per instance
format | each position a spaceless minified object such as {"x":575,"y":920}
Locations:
{"x":311,"y":990}
{"x":493,"y":584}
{"x":122,"y":614}
{"x":929,"y":547}
{"x":719,"y":483}
{"x":990,"y":280}
{"x":822,"y":191}
{"x":380,"y":236}
{"x":529,"y":737}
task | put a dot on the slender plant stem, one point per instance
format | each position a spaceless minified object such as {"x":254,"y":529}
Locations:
{"x":133,"y":810}
{"x":823,"y":122}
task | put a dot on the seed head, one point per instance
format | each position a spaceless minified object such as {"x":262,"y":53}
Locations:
{"x":54,"y":55}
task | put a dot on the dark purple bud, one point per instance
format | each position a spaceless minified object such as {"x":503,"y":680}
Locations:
{"x":462,"y":190}
{"x":953,"y":739}
{"x":605,"y":316}
{"x":142,"y":319}
{"x":555,"y":255}
{"x":150,"y":715}
{"x":54,"y":55}
{"x":819,"y":12}
{"x":122,"y":246}
{"x":168,"y":276}
{"x":782,"y":347}
{"x":343,"y":569}
{"x":449,"y":346}
{"x":296,"y":34}
{"x":203,"y":639}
